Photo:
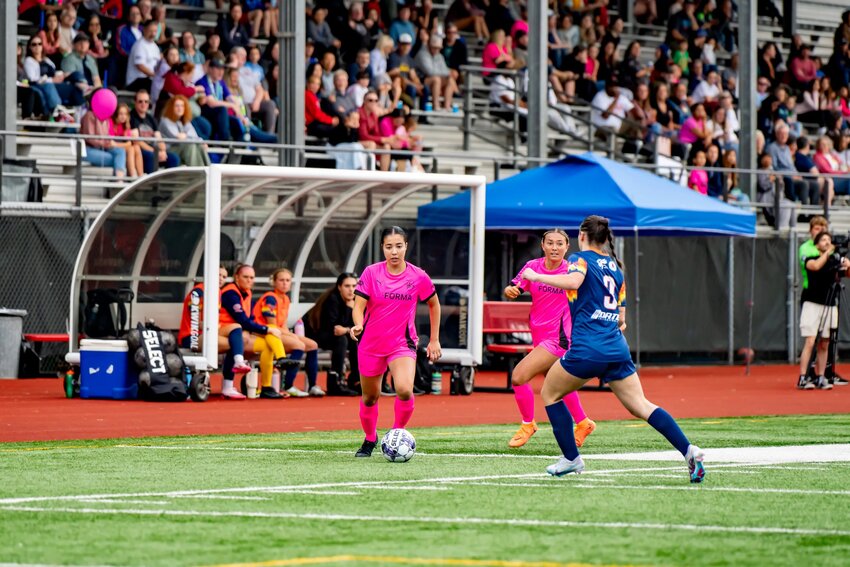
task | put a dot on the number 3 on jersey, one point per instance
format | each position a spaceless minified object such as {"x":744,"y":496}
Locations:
{"x":610,"y":301}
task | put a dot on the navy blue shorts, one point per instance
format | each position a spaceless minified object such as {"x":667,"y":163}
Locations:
{"x":606,"y":371}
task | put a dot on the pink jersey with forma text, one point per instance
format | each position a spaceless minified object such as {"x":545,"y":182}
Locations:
{"x":550,"y":312}
{"x":390,"y":319}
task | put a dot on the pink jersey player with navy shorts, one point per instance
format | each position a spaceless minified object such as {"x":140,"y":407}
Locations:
{"x":551,"y":326}
{"x":384,"y":315}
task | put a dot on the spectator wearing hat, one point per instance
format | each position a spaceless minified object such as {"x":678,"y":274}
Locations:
{"x":216,"y":100}
{"x":402,"y":25}
{"x":436,"y":73}
{"x":230,"y":29}
{"x":143,"y":59}
{"x":79,"y":67}
{"x":401,"y":69}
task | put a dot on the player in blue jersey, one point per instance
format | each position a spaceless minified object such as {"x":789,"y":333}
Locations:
{"x":597,"y":291}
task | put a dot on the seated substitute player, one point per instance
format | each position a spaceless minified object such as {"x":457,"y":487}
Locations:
{"x":230,"y":337}
{"x":596,"y":290}
{"x":273,"y":310}
{"x":235,"y":310}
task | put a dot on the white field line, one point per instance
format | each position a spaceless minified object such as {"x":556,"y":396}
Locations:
{"x":321,"y":492}
{"x":220,"y":497}
{"x":836,"y":452}
{"x":438,"y":520}
{"x":123,"y":501}
{"x":704,"y":488}
{"x":322,"y":486}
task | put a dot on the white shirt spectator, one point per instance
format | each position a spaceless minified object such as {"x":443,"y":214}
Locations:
{"x":357,"y":92}
{"x":503,"y":85}
{"x":249,"y":80}
{"x":378,"y":62}
{"x":705,"y":91}
{"x":145,"y":53}
{"x":600,"y":104}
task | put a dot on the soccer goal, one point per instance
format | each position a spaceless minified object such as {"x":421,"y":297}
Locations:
{"x":172,"y":229}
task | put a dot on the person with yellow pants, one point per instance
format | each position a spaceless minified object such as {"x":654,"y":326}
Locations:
{"x":273,"y":309}
{"x":262,"y":340}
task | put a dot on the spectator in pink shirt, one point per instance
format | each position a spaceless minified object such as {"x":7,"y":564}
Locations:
{"x":803,"y":69}
{"x":698,"y":179}
{"x":695,"y":131}
{"x":497,"y":51}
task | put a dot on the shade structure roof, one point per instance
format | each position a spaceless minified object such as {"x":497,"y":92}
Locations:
{"x":563,"y":193}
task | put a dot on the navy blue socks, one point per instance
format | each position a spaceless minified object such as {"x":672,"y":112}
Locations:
{"x":562,"y":427}
{"x":664,"y":423}
{"x":312,"y":367}
{"x":292,"y":372}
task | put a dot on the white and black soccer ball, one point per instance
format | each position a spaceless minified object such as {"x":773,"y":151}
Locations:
{"x":398,"y":445}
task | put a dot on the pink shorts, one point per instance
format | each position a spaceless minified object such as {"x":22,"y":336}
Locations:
{"x":552,"y":347}
{"x":371,"y":364}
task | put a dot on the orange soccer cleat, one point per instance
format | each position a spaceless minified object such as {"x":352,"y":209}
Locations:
{"x":523,"y":434}
{"x":584,"y":428}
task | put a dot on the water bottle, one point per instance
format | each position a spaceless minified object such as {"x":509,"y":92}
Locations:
{"x":187,"y":375}
{"x":69,"y":383}
{"x":455,"y":107}
{"x":436,"y":383}
{"x":429,"y":106}
{"x":299,"y":328}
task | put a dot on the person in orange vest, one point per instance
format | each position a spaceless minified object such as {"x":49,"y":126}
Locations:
{"x":235,"y":314}
{"x":273,"y":310}
{"x":191,"y":330}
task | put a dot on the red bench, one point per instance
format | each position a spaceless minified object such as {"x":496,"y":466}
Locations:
{"x":504,"y":318}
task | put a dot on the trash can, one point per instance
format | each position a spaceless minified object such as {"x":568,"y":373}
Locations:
{"x":11,"y":331}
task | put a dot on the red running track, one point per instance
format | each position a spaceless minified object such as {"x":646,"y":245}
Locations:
{"x":36,"y":409}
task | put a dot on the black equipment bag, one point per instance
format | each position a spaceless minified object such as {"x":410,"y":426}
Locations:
{"x":424,"y":370}
{"x":164,"y":386}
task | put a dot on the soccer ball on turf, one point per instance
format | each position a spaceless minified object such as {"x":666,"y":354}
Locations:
{"x":398,"y":445}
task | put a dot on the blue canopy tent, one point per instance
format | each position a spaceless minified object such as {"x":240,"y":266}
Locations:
{"x":563,"y":193}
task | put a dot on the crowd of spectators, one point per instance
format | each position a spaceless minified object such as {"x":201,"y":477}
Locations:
{"x":369,"y":63}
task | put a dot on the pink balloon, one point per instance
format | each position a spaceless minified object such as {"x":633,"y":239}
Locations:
{"x":103,"y":103}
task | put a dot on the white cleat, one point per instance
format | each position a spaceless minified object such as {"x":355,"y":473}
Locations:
{"x":696,"y":469}
{"x":566,"y":466}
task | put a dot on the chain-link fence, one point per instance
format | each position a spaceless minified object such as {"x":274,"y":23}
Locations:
{"x":40,"y":245}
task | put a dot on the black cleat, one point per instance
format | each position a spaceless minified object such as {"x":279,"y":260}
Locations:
{"x":269,"y":393}
{"x":284,"y":363}
{"x":366,"y":448}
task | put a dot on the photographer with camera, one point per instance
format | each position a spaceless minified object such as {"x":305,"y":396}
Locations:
{"x":823,"y":269}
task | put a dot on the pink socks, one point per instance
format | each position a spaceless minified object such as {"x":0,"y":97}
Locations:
{"x":574,"y":405}
{"x":403,"y":411}
{"x":524,"y":396}
{"x":369,"y":420}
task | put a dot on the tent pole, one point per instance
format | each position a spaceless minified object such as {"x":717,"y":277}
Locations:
{"x":751,"y":305}
{"x":637,"y":299}
{"x":730,"y":284}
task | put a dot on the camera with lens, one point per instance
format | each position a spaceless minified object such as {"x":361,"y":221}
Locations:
{"x":842,"y":244}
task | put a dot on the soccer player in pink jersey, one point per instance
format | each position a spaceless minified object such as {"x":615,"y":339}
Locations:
{"x":551,"y":327}
{"x":384,"y":322}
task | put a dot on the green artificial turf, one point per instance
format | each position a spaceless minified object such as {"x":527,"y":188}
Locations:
{"x":303,"y":496}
